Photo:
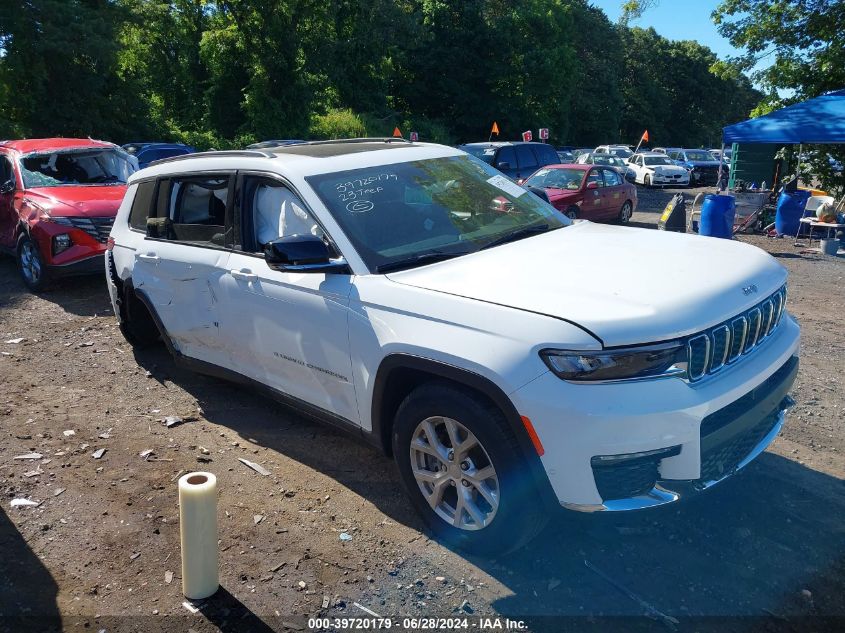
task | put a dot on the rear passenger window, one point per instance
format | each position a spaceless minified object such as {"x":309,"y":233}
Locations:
{"x":612,"y":178}
{"x":192,"y":210}
{"x":525,"y":157}
{"x":141,"y":204}
{"x":506,"y":155}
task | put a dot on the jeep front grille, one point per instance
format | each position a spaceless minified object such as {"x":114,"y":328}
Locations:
{"x":710,"y":351}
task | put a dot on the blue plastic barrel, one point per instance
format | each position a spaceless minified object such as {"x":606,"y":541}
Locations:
{"x":717,"y":216}
{"x":790,"y":211}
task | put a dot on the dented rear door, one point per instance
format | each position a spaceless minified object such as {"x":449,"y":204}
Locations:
{"x":180,"y":262}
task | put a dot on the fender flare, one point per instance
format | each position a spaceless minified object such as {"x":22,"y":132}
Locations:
{"x":382,"y":427}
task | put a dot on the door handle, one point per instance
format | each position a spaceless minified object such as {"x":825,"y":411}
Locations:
{"x":150,"y":257}
{"x":245,"y":275}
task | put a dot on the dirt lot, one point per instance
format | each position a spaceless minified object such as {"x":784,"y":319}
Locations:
{"x":96,"y":552}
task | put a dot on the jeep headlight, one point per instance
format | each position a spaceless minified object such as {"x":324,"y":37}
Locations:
{"x":630,"y":363}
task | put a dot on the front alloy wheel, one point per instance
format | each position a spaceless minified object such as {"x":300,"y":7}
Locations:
{"x":30,"y":265}
{"x":464,"y":469}
{"x":454,"y":473}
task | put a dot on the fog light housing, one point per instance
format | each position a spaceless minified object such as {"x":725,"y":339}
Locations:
{"x":61,"y":243}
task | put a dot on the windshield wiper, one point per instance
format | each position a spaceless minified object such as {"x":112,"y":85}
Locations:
{"x":418,"y":260}
{"x":518,"y":234}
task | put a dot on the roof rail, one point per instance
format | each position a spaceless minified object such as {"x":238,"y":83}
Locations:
{"x":374,"y":139}
{"x":255,"y":153}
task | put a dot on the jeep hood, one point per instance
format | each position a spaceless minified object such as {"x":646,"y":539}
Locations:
{"x":75,"y":201}
{"x":624,"y":285}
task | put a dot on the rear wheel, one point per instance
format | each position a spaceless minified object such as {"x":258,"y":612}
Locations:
{"x":463,"y":470}
{"x":31,"y":265}
{"x":626,"y":212}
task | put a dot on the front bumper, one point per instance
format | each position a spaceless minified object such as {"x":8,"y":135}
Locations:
{"x":668,"y":180}
{"x":90,"y":266}
{"x":689,"y":436}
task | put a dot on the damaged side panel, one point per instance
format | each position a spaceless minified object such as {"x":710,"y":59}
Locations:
{"x":181,"y":281}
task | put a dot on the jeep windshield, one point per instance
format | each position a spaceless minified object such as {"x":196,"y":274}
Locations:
{"x":90,"y":166}
{"x":410,"y":214}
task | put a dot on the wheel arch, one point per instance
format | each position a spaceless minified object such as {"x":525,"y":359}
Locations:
{"x":398,"y":374}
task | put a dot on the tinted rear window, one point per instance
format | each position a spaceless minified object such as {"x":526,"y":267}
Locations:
{"x":141,"y":205}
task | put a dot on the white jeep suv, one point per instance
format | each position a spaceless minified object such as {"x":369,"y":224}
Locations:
{"x":510,"y":360}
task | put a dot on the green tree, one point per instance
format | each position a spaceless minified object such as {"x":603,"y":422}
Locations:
{"x":58,"y":71}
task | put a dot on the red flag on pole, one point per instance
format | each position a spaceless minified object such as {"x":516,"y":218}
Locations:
{"x":645,"y":136}
{"x":397,"y":133}
{"x":495,"y":129}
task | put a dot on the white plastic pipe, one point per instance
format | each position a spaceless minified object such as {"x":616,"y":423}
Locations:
{"x":198,"y":527}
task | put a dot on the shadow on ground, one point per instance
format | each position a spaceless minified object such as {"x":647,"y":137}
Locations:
{"x":27,"y":590}
{"x":745,"y":549}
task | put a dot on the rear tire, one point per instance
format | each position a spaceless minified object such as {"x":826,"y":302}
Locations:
{"x":31,"y":265}
{"x":464,"y":471}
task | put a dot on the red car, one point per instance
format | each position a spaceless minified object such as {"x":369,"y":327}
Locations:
{"x":590,"y":192}
{"x":58,"y":199}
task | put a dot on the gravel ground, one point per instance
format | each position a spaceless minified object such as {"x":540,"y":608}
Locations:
{"x":101,"y":548}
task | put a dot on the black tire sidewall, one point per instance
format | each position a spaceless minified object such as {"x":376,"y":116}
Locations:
{"x":511,"y":526}
{"x":623,"y":217}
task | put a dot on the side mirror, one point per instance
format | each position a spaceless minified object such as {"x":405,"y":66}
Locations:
{"x":503,"y":166}
{"x":592,"y":185}
{"x":8,"y":186}
{"x":302,"y":254}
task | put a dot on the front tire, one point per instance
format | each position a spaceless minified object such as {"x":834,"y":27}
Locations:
{"x":647,"y":180}
{"x":464,"y":471}
{"x":31,"y":265}
{"x":572,"y":213}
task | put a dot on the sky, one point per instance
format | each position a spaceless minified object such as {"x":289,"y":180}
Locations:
{"x":677,"y":20}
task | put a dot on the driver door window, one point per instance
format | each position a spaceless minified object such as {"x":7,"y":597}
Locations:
{"x":270,"y":211}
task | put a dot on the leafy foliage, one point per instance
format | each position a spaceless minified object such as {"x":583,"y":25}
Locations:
{"x":222,"y":73}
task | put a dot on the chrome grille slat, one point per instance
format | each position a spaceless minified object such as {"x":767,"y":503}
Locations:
{"x":720,"y":339}
{"x":710,"y":351}
{"x":739,"y":330}
{"x":754,"y":318}
{"x":768,"y":311}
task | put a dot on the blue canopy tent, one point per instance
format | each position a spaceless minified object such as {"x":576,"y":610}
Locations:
{"x":819,"y":120}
